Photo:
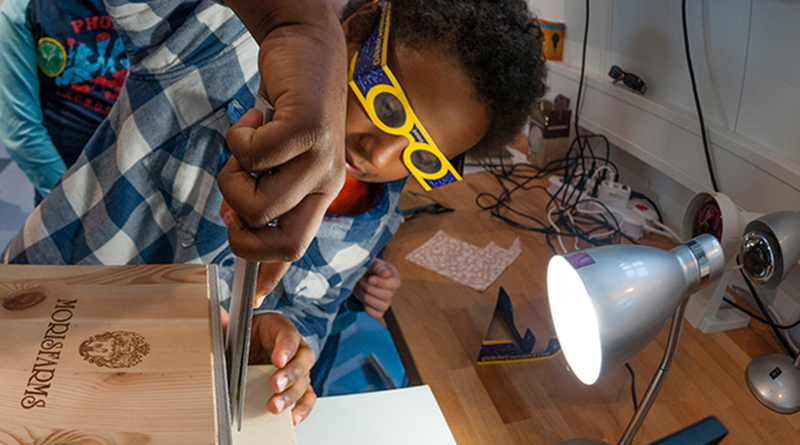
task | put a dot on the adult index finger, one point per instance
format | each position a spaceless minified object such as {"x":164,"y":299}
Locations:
{"x":259,"y":201}
{"x":285,"y":242}
{"x":294,"y":130}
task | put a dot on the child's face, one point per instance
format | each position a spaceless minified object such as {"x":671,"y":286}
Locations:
{"x":444,"y":100}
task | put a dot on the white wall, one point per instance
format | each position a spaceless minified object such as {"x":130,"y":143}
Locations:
{"x":746,"y":57}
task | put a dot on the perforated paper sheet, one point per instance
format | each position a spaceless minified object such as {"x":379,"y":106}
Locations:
{"x":476,"y":267}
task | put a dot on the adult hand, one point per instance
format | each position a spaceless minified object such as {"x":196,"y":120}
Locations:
{"x":377,"y":287}
{"x":303,"y":65}
{"x":269,"y":274}
{"x":274,"y":339}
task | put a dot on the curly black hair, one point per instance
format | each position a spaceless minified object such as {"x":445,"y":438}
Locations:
{"x":498,"y":42}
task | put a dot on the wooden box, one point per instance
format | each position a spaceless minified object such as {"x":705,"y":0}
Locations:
{"x":549,"y":135}
{"x":111,"y":355}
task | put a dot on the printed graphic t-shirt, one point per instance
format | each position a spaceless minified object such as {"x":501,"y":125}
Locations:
{"x":82,"y":64}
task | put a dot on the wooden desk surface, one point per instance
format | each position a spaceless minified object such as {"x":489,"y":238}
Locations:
{"x":438,"y":325}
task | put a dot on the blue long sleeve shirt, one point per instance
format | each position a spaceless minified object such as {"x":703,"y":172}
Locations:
{"x":62,"y":66}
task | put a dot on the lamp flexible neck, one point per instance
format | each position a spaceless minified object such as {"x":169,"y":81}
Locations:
{"x":658,"y":377}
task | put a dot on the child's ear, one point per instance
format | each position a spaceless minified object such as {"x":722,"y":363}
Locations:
{"x":360,"y":25}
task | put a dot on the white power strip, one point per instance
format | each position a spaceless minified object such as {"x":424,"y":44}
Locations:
{"x":634,"y":218}
{"x":556,"y":184}
{"x":631,"y":221}
{"x":614,"y":194}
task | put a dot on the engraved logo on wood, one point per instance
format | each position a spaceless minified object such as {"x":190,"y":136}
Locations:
{"x":118,"y":349}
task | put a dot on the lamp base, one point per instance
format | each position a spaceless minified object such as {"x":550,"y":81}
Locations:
{"x":775,"y":382}
{"x":584,"y":442}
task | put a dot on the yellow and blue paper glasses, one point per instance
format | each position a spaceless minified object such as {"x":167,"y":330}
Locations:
{"x":387,"y":106}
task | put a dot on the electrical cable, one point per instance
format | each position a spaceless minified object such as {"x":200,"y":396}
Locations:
{"x":763,"y":310}
{"x":697,"y":100}
{"x":563,"y":219}
{"x":759,"y":318}
{"x":633,"y":387}
{"x":663,"y":230}
{"x":769,"y":321}
{"x":520,"y":177}
{"x":567,"y":179}
{"x":580,"y":157}
{"x":578,"y":168}
{"x":583,"y":70}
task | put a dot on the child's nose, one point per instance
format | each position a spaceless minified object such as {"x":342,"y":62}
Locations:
{"x":387,"y":149}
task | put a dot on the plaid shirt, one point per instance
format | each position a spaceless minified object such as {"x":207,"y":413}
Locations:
{"x":144,"y":189}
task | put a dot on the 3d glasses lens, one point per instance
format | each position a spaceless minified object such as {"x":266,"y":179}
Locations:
{"x":390,"y":110}
{"x":425,"y":161}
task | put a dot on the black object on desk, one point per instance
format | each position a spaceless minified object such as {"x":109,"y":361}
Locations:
{"x":708,"y":431}
{"x":434,"y":208}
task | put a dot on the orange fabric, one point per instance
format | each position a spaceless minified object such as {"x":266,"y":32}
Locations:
{"x":353,"y":199}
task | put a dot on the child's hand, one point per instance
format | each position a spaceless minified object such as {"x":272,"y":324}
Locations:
{"x":274,"y":339}
{"x":377,"y":287}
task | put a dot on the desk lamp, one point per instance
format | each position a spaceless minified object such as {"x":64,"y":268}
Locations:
{"x":717,"y":215}
{"x":609,"y":302}
{"x":770,"y":250}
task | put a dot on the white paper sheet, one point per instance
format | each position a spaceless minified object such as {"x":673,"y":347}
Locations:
{"x":392,"y":417}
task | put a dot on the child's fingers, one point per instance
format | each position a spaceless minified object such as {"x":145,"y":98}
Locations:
{"x":376,"y":303}
{"x":378,"y":315}
{"x":304,"y":406}
{"x":392,"y":269}
{"x":278,"y":402}
{"x":359,"y":291}
{"x":383,"y":272}
{"x":381,"y":268}
{"x":290,"y":382}
{"x":224,"y":317}
{"x":390,"y":282}
{"x":377,"y":292}
{"x":283,"y":338}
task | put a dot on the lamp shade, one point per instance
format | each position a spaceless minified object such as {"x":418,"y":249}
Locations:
{"x":718,"y":215}
{"x":771,"y":248}
{"x":609,"y":302}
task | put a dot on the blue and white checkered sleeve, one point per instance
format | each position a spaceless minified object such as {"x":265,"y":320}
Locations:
{"x":312,"y":320}
{"x":313,"y":289}
{"x":167,"y":34}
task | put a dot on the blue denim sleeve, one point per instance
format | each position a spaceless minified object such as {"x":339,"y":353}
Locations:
{"x":21,"y":128}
